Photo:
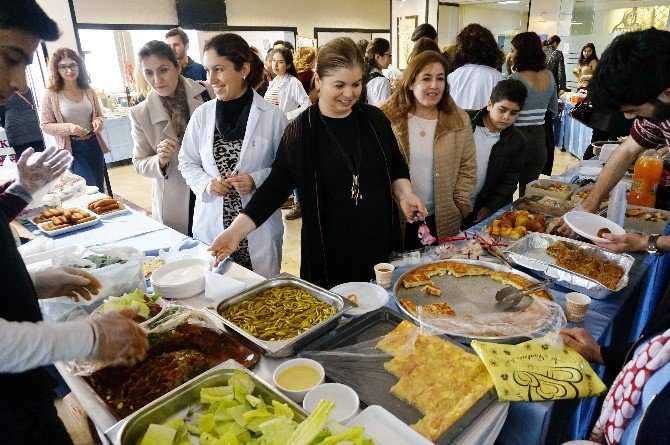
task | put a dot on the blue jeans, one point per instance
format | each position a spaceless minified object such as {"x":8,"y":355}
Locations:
{"x":89,"y":162}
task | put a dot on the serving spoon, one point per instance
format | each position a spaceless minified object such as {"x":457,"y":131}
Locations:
{"x":509,"y":296}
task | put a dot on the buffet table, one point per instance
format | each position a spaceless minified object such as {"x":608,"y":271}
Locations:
{"x":571,"y":135}
{"x":137,"y":230}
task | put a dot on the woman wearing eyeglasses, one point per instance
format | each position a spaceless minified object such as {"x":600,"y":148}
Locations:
{"x":71,"y":113}
{"x":377,"y":58}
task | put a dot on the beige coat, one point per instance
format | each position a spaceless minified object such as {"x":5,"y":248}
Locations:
{"x":585,"y":73}
{"x":150,"y":125}
{"x":454,"y":166}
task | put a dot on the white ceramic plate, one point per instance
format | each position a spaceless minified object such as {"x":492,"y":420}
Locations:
{"x":186,"y":278}
{"x":69,"y":228}
{"x":588,"y":224}
{"x":370,"y":296}
{"x":384,"y":428}
{"x":114,"y":213}
{"x":159,"y":301}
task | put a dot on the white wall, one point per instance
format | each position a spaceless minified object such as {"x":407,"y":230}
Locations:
{"x":405,"y":9}
{"x":500,"y":22}
{"x":448,"y":25}
{"x":308,"y":14}
{"x":155,"y":12}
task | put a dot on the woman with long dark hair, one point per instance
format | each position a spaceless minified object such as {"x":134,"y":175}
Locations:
{"x":435,"y":138}
{"x":377,"y":58}
{"x":158,"y":127}
{"x":285,"y":91}
{"x":476,"y":61}
{"x":71,"y":112}
{"x":586,"y":65}
{"x":344,"y":159}
{"x":228,"y":149}
{"x":530,"y":64}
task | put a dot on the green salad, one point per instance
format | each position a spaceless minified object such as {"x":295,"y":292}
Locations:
{"x":232,"y":415}
{"x":137,"y":299}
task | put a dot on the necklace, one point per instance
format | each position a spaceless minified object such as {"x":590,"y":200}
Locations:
{"x":353,"y":165}
{"x":422,"y":132}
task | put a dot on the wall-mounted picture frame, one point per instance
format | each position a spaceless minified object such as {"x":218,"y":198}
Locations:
{"x":406,"y":26}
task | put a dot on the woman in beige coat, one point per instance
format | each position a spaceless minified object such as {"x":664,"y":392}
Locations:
{"x":158,"y":126}
{"x":435,"y":137}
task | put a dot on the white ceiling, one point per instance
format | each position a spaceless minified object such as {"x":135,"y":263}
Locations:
{"x":521,"y":6}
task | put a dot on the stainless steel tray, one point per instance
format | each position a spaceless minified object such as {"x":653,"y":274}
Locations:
{"x":531,"y":252}
{"x":467,"y":295}
{"x":374,"y":385}
{"x":130,"y":430}
{"x":288,"y":347}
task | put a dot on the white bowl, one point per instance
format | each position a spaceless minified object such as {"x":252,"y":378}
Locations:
{"x":345,"y":400}
{"x":159,"y":301}
{"x":181,"y":278}
{"x":298,"y":396}
{"x":588,"y":224}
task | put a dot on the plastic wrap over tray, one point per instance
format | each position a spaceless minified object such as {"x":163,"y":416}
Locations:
{"x":531,"y":252}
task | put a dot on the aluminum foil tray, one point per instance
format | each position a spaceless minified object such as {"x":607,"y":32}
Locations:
{"x":531,"y":252}
{"x":285,"y":348}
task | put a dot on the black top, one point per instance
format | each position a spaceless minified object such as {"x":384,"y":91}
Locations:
{"x":340,"y":241}
{"x":232,"y":116}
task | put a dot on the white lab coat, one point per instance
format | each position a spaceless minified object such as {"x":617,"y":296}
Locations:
{"x":378,"y":89}
{"x":293,"y":99}
{"x":264,"y":130}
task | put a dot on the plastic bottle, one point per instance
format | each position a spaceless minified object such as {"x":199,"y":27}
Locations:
{"x":663,"y":193}
{"x":647,"y":173}
{"x":616,"y":209}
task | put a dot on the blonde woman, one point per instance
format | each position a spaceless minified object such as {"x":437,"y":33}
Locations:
{"x":141,"y":84}
{"x":435,"y":138}
{"x":304,"y":66}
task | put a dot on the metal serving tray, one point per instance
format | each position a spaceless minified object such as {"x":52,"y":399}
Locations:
{"x":377,"y":390}
{"x":470,"y":295}
{"x":531,"y":252}
{"x":130,"y":430}
{"x":284,"y":348}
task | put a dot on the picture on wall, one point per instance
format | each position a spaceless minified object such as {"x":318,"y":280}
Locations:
{"x":406,"y":26}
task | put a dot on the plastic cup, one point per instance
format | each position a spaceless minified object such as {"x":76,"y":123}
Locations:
{"x":384,"y":274}
{"x":576,"y":306}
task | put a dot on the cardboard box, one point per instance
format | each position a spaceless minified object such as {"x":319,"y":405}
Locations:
{"x":549,"y":187}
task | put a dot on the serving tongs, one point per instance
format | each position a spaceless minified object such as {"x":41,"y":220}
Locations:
{"x":509,"y":296}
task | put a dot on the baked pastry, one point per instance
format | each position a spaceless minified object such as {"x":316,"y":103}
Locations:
{"x":432,"y":290}
{"x":354,"y":299}
{"x":576,"y":259}
{"x":439,"y":308}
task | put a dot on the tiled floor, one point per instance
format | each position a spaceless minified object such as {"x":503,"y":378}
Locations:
{"x":137,"y":189}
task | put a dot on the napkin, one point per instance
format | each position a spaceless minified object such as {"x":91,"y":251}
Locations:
{"x":219,"y":287}
{"x":537,"y":370}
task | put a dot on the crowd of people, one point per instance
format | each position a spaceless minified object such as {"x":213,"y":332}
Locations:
{"x":367,"y":158}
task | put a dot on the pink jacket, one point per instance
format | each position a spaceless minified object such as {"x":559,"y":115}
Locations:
{"x":52,"y":119}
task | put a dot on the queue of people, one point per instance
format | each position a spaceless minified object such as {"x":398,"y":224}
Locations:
{"x":223,"y":159}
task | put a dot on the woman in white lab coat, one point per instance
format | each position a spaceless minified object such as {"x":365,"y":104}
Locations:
{"x":228,"y":150}
{"x":285,"y":91}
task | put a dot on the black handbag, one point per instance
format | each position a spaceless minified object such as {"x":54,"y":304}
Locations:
{"x":582,"y":112}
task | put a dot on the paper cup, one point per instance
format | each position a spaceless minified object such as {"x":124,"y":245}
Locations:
{"x":384,"y":274}
{"x":576,"y":306}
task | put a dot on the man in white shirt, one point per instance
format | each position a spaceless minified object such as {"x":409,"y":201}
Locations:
{"x":500,"y":149}
{"x":27,"y":413}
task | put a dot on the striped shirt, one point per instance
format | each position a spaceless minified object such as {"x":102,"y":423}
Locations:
{"x":272,"y":94}
{"x":650,"y":134}
{"x":537,"y":103}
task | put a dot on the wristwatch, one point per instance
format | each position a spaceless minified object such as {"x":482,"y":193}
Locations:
{"x":652,"y":248}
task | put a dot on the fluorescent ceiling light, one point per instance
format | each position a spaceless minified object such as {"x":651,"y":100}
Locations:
{"x":509,"y":2}
{"x":576,"y":23}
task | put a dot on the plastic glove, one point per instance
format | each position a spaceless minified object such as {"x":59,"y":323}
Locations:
{"x":65,"y":281}
{"x":46,"y":167}
{"x":119,"y":340}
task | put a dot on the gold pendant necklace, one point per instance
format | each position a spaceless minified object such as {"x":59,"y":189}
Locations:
{"x":422,"y":132}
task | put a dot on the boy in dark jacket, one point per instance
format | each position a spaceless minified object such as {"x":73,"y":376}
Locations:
{"x":500,"y":150}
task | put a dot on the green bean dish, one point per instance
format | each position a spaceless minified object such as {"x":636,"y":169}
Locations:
{"x":278,"y":313}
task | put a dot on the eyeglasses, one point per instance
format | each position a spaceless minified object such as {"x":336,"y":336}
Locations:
{"x":72,"y":66}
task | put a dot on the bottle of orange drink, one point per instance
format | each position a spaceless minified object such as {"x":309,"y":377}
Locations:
{"x":647,"y":173}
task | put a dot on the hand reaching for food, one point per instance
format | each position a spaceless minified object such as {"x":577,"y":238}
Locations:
{"x":65,"y":281}
{"x":120,"y":341}
{"x":583,"y":342}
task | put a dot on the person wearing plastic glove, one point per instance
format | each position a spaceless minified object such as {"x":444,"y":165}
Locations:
{"x":32,"y":176}
{"x":27,"y":412}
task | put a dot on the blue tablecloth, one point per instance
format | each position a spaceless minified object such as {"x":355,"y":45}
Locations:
{"x":570,"y":134}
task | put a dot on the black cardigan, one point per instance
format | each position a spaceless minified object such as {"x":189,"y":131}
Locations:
{"x":294,"y":167}
{"x":505,"y":166}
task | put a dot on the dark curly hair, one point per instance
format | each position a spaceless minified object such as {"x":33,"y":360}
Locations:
{"x":585,"y":61}
{"x":634,"y":69}
{"x":424,"y":30}
{"x":424,"y":44}
{"x":476,"y":44}
{"x":529,"y":54}
{"x":56,"y":80}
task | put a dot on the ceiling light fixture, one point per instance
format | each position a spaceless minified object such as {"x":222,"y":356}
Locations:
{"x":509,"y":2}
